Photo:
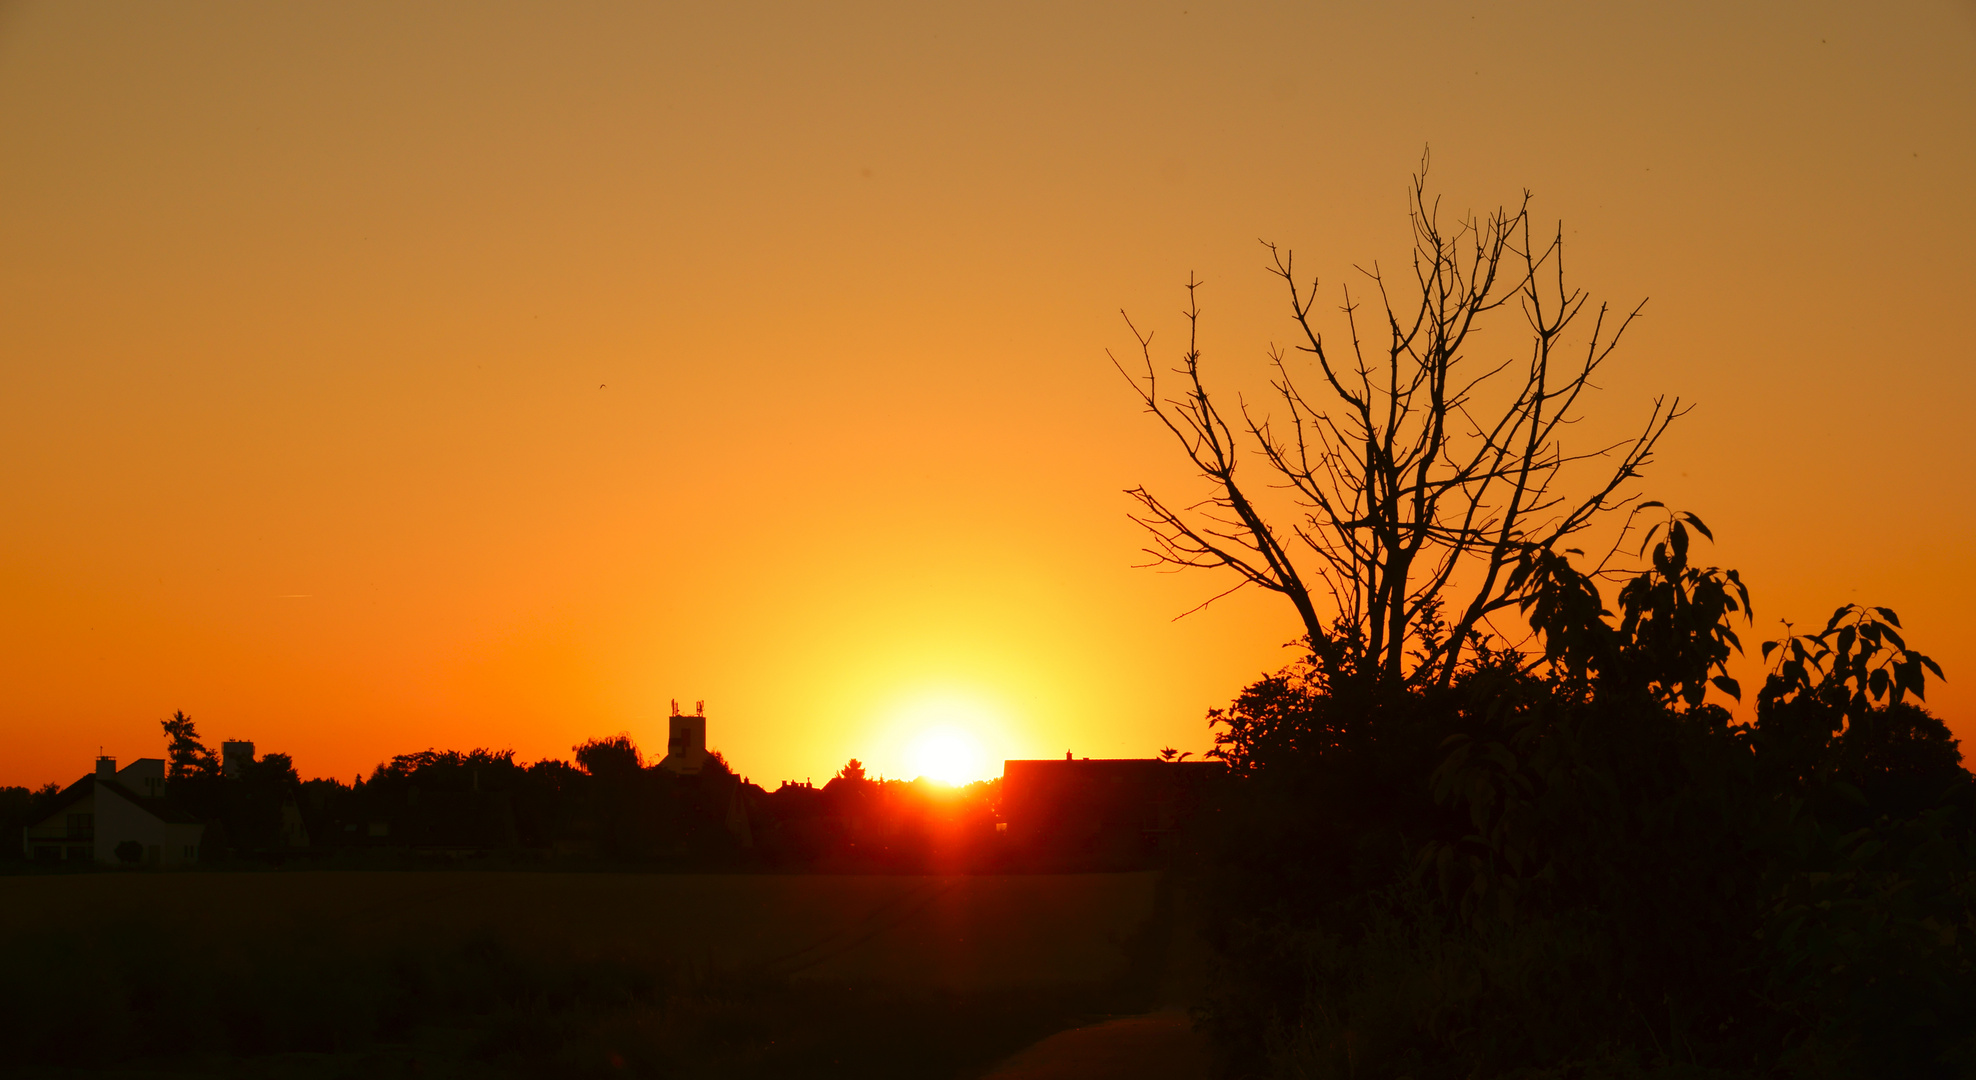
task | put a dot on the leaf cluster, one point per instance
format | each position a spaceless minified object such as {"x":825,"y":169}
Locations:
{"x":1674,"y":634}
{"x":1859,"y":660}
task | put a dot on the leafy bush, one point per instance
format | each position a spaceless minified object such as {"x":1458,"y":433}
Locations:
{"x":1573,"y":864}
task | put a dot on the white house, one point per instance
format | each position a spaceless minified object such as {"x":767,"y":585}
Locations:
{"x":102,"y":812}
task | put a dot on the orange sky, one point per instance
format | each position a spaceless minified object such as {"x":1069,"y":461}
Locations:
{"x":384,"y":376}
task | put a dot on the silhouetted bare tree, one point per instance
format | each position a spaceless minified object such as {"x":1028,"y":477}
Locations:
{"x":1419,"y":486}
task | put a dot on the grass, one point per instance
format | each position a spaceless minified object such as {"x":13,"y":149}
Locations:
{"x":438,"y":974}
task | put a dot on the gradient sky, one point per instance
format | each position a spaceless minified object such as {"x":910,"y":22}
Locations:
{"x":384,"y":376}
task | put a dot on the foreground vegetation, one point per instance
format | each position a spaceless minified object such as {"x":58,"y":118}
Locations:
{"x":313,"y":1008}
{"x":1500,"y":821}
{"x":1583,"y":868}
{"x":536,"y":974}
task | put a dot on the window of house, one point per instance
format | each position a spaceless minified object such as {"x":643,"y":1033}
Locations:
{"x":81,"y":824}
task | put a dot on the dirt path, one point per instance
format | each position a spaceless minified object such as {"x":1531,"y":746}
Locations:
{"x":1157,"y":1046}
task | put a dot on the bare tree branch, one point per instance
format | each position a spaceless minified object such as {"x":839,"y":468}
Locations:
{"x":1417,"y":487}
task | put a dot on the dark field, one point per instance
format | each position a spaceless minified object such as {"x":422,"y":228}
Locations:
{"x":572,"y":974}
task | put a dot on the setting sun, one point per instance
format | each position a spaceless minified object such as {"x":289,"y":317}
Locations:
{"x":950,"y":756}
{"x":946,"y":735}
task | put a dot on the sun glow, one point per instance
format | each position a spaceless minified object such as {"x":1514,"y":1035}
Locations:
{"x":946,"y":738}
{"x":948,"y":755}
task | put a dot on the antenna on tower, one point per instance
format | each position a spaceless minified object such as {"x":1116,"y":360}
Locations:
{"x":699,"y":708}
{"x":675,"y":706}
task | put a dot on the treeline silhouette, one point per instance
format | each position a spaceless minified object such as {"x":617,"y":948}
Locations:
{"x":607,"y":806}
{"x":1570,"y":863}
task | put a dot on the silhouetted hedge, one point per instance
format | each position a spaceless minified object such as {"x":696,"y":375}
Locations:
{"x":1566,"y":865}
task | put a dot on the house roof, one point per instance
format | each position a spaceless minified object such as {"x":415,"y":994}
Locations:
{"x":164,"y":809}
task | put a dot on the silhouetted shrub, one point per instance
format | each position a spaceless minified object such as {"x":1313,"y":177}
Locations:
{"x":1580,"y":868}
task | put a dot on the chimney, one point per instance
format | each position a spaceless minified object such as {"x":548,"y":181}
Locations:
{"x":106,"y":768}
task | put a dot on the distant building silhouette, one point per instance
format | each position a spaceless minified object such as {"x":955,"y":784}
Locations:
{"x":686,"y":741}
{"x":1104,"y":813}
{"x":111,"y":809}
